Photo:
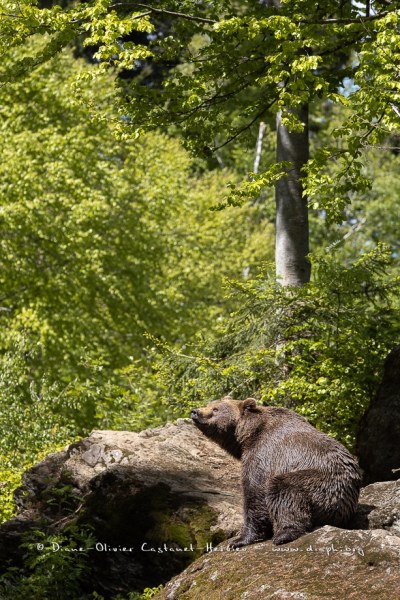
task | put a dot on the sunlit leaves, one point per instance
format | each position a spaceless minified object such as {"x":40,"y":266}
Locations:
{"x":251,"y":189}
{"x":252,"y":60}
{"x":103,"y":241}
{"x":318,"y":349}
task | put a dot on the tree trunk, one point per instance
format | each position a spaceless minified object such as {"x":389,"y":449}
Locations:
{"x":292,"y":247}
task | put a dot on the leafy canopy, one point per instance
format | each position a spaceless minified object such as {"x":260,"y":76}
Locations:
{"x":102,"y":241}
{"x":227,"y":65}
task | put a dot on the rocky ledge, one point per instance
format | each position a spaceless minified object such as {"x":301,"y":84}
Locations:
{"x":161,"y":503}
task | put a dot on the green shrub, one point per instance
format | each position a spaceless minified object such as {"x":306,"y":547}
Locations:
{"x":318,"y":349}
{"x":47,"y":573}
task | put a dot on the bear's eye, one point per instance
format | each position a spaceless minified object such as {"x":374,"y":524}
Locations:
{"x":215,"y":410}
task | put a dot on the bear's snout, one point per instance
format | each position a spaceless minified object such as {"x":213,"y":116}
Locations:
{"x":195,"y":414}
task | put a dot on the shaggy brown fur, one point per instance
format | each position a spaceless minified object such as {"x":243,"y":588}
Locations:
{"x":294,"y":477}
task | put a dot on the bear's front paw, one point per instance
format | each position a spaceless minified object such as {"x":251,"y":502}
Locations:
{"x":287,"y":534}
{"x":237,"y":542}
{"x":243,"y":540}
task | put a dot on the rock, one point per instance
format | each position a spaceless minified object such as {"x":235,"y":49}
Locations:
{"x":379,"y":507}
{"x":159,"y":499}
{"x":378,"y":440}
{"x":326,"y":563}
{"x":168,"y":485}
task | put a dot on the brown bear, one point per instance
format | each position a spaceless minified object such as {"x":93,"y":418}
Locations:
{"x":294,"y":477}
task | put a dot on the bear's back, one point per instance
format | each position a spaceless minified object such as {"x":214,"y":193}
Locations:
{"x":278,"y":440}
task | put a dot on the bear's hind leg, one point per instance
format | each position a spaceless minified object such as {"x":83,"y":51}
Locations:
{"x":289,"y":508}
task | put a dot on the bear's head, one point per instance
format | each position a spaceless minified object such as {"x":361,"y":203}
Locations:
{"x":218,"y":421}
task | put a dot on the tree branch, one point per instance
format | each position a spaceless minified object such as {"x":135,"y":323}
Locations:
{"x":10,"y":16}
{"x":353,"y":229}
{"x":165,"y":12}
{"x":245,"y":127}
{"x":141,"y":15}
{"x":257,"y":158}
{"x":345,"y":21}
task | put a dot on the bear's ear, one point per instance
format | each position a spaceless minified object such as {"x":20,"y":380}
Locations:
{"x":249,"y":405}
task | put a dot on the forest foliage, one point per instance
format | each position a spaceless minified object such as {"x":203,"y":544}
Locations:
{"x":137,"y":245}
{"x":104,"y":242}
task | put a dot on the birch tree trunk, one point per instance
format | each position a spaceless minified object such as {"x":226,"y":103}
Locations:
{"x":292,"y":245}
